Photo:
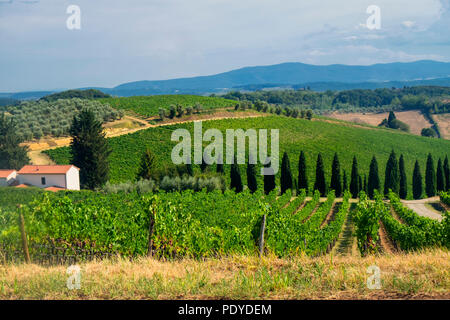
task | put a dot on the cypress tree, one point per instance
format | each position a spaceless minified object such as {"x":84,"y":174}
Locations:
{"x":447,"y":174}
{"x":236,"y":180}
{"x":344,"y":181}
{"x":203,"y":165}
{"x":219,"y":166}
{"x":360,"y":184}
{"x":365,"y":184}
{"x":391,"y":117}
{"x":417,"y":182}
{"x":251,"y":177}
{"x":403,"y":185}
{"x":90,"y":150}
{"x":430,"y":178}
{"x":354,"y":187}
{"x":147,"y":166}
{"x":374,"y":179}
{"x":269,"y":180}
{"x":286,"y":175}
{"x":189,"y":169}
{"x":336,"y":183}
{"x":391,"y":180}
{"x":12,"y":155}
{"x":302,"y":175}
{"x":320,"y":183}
{"x":440,"y":179}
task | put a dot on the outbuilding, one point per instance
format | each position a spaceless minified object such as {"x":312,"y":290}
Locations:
{"x":59,"y":176}
{"x":7,"y":177}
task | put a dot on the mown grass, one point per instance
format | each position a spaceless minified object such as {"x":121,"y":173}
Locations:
{"x":148,"y":106}
{"x":295,"y":135}
{"x":405,"y":276}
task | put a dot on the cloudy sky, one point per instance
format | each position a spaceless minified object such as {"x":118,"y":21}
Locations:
{"x":121,"y":41}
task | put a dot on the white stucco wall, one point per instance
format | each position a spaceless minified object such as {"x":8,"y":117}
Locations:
{"x":51,"y":180}
{"x":73,"y":179}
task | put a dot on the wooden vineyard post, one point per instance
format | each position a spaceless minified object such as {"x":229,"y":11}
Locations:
{"x":150,"y":236}
{"x":26,"y":253}
{"x":261,"y":236}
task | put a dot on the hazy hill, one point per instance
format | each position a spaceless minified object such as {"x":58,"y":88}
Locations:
{"x":292,"y":74}
{"x":329,"y":77}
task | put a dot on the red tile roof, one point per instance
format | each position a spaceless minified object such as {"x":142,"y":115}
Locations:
{"x":5,"y":173}
{"x":21,"y":186}
{"x":54,"y":189}
{"x":55,"y":169}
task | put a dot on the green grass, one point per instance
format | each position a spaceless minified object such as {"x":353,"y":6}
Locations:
{"x":295,"y":135}
{"x":148,"y":106}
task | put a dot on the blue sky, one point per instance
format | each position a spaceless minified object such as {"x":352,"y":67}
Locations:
{"x":123,"y":41}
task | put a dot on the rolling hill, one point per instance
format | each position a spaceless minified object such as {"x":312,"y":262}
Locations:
{"x":293,"y":74}
{"x":149,"y":105}
{"x":295,"y":135}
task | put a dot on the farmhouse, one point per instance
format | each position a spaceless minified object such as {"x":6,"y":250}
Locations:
{"x":53,"y":178}
{"x":7,"y":177}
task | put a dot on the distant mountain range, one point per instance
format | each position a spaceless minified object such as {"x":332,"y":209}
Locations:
{"x":287,"y":75}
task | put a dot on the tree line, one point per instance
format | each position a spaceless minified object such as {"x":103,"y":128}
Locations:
{"x":395,"y":177}
{"x":428,"y":98}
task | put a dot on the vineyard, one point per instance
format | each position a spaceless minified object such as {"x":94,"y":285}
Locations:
{"x":210,"y":224}
{"x":148,"y":106}
{"x":406,"y":229}
{"x":187,"y":224}
{"x":295,"y":135}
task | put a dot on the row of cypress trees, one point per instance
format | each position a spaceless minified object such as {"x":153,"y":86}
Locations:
{"x":395,"y":177}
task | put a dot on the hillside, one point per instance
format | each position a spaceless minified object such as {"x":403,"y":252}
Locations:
{"x":414,"y":119}
{"x":295,"y":135}
{"x":150,"y":105}
{"x":70,"y":94}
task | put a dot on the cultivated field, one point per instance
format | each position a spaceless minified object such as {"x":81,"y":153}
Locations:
{"x":414,"y":119}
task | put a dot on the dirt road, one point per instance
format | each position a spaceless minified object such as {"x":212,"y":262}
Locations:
{"x":420,"y":207}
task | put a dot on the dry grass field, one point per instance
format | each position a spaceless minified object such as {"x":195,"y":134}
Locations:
{"x":443,"y":121}
{"x":414,"y":119}
{"x":422,"y":275}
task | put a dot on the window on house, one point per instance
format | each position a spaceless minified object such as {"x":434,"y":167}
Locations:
{"x":43,"y":181}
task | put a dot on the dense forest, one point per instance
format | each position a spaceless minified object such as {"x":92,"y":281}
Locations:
{"x":427,"y":98}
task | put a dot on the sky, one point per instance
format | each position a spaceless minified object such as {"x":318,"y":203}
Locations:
{"x":123,"y":41}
